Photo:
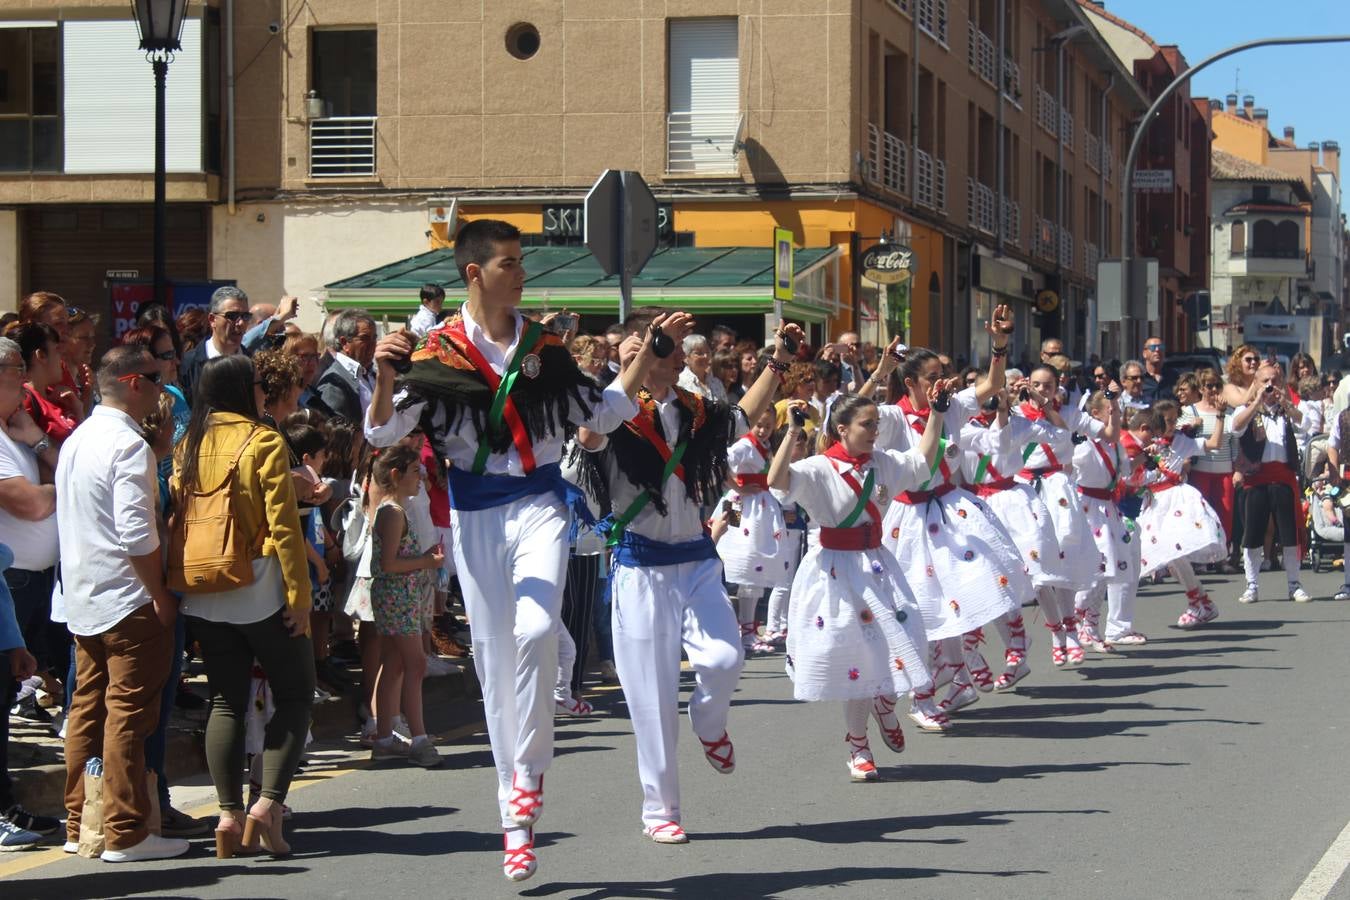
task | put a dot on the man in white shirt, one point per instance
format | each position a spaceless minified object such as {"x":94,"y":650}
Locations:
{"x":343,"y":391}
{"x":433,"y":300}
{"x":506,"y":487}
{"x":117,"y":605}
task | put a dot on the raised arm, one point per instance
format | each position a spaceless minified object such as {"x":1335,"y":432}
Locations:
{"x":930,"y":444}
{"x":780,"y":470}
{"x":890,"y":360}
{"x":1000,"y":328}
{"x":756,"y":400}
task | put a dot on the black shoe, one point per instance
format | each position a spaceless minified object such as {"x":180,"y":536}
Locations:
{"x":28,"y":710}
{"x":180,"y":825}
{"x":327,"y":672}
{"x":19,"y":817}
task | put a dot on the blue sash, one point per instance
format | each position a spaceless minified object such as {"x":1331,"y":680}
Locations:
{"x":472,"y":492}
{"x":638,"y":551}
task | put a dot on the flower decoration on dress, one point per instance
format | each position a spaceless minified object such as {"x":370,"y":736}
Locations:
{"x":745,"y":531}
{"x":895,"y":533}
{"x":899,"y":664}
{"x":961,"y":513}
{"x":928,"y":570}
{"x":1125,"y":538}
{"x":956,"y":607}
{"x":1178,"y":513}
{"x":1003,"y":581}
{"x":968,"y":555}
{"x":901,"y":615}
{"x":853,"y":674}
{"x":1064,"y":502}
{"x":866,"y":616}
{"x":933,"y":529}
{"x":1122,"y":566}
{"x":832,"y":575}
{"x":1035,"y":555}
{"x":876,"y":567}
{"x":759,"y":568}
{"x":1101,"y":567}
{"x":820,"y":622}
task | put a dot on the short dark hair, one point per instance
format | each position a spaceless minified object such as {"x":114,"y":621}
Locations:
{"x":304,"y":439}
{"x":431,"y":292}
{"x":826,"y":369}
{"x":119,"y":362}
{"x":347,"y":323}
{"x":1147,"y":417}
{"x":32,"y":337}
{"x":476,"y":242}
{"x":717,"y":330}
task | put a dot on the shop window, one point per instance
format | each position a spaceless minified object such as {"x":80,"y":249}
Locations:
{"x":30,"y":99}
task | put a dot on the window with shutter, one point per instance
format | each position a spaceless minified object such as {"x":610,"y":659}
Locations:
{"x":704,"y":95}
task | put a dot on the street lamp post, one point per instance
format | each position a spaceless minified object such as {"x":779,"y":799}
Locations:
{"x":1129,"y":313}
{"x":161,"y":26}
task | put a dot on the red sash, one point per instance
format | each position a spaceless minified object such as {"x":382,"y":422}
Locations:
{"x":914,"y":498}
{"x":757,"y":478}
{"x":864,"y":537}
{"x":1098,"y":493}
{"x":519,"y":436}
{"x":644,"y":423}
{"x":989,"y":488}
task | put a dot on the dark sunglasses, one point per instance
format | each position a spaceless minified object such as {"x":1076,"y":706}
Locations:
{"x":1153,"y":347}
{"x":234,"y":316}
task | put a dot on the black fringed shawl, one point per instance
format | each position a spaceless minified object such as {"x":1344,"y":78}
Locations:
{"x":706,"y":424}
{"x":443,"y":376}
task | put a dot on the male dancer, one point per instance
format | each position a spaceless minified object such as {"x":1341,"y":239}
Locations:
{"x":658,"y":470}
{"x":497,"y":396}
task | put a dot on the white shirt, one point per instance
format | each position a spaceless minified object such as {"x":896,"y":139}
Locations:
{"x":106,"y":497}
{"x":683,"y":520}
{"x":423,"y":321}
{"x":1273,"y":450}
{"x":364,"y":383}
{"x":821,"y":490}
{"x":34,"y":543}
{"x":212,"y":352}
{"x":610,"y":409}
{"x":713,"y":390}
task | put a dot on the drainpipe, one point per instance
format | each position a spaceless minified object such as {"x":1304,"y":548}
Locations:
{"x":229,"y":106}
{"x":1094,"y":336}
{"x":914,"y":106}
{"x":999,"y":181}
{"x":1059,"y":151}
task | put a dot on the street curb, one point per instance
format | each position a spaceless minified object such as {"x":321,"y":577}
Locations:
{"x":39,"y":775}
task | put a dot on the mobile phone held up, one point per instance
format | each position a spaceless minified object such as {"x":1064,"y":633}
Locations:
{"x":562,"y":324}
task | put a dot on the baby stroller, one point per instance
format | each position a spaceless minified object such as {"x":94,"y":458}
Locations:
{"x":1325,"y":538}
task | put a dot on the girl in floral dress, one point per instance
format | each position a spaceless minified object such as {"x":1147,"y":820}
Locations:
{"x":855,"y":632}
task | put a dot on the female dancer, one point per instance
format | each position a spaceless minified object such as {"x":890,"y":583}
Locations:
{"x":1043,"y":467}
{"x":957,"y":557}
{"x":855,"y":632}
{"x":996,"y":441}
{"x":755,"y":526}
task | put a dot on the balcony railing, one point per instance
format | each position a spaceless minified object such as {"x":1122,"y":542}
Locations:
{"x":702,"y":143}
{"x":1091,"y":256}
{"x":1012,"y":81}
{"x":931,"y":16}
{"x":980,"y":53}
{"x":1066,"y":128}
{"x":930,"y":181}
{"x":1055,"y":119}
{"x":1275,"y":253}
{"x":1052,"y":242}
{"x":342,"y":147}
{"x":983,"y":206}
{"x":1012,"y":222}
{"x":1065,"y":248}
{"x":887,"y":160}
{"x":1092,"y":151}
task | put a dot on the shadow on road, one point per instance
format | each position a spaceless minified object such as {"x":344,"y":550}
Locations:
{"x":753,"y":885}
{"x":136,"y":879}
{"x":995,"y":774}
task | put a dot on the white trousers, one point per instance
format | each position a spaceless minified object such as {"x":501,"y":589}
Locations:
{"x":656,"y":612}
{"x":567,"y":660}
{"x":512,"y":561}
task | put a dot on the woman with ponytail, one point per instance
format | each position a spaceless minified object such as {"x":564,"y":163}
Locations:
{"x":855,"y":632}
{"x":959,"y":560}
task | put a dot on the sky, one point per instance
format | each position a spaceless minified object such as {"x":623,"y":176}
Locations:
{"x":1302,"y":86}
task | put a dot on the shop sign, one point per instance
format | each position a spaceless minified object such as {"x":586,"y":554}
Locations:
{"x":888,"y":264}
{"x":1153,"y":181}
{"x":569,"y":220}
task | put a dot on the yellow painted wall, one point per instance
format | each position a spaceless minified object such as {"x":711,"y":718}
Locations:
{"x":1244,"y":139}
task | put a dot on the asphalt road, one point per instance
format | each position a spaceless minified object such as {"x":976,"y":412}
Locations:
{"x":1205,"y":764}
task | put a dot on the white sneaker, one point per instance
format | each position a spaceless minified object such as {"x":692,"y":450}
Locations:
{"x":1249,"y":595}
{"x":424,"y":753}
{"x":70,"y":847}
{"x":1299,"y":595}
{"x":401,"y":729}
{"x":153,"y":847}
{"x":389,"y":748}
{"x":1343,"y":593}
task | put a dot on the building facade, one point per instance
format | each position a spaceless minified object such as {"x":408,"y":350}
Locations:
{"x":313,"y":142}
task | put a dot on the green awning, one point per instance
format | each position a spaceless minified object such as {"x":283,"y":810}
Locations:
{"x":708,"y":279}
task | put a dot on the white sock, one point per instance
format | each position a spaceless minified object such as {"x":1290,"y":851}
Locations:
{"x":1185,"y":574}
{"x":1291,"y":566}
{"x":1251,"y":563}
{"x":855,"y":717}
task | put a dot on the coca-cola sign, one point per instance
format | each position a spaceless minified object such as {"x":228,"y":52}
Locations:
{"x":888,"y":263}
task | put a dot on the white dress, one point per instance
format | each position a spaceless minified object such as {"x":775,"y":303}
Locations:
{"x":784,"y":565}
{"x":958,"y":559}
{"x":1100,"y":466}
{"x":994,"y":456}
{"x":750,"y":550}
{"x":854,"y":630}
{"x":1177,"y":523}
{"x":1054,"y":451}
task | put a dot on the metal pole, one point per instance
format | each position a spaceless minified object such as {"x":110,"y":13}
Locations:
{"x":161,"y":67}
{"x":1127,"y":207}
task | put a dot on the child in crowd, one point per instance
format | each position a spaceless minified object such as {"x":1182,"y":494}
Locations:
{"x":855,"y":633}
{"x":397,"y":589}
{"x":310,"y":445}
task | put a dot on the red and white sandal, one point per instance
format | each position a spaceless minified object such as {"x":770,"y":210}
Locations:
{"x":860,"y":764}
{"x":525,"y":805}
{"x":975,"y":662}
{"x":883,"y":710}
{"x":574,"y":707}
{"x":927,"y":716}
{"x":1017,"y":669}
{"x":519,"y":863}
{"x":666,"y":833}
{"x":723,"y":763}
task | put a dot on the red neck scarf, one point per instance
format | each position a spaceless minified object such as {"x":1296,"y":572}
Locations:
{"x":837,"y":451}
{"x":760,"y":448}
{"x":1130,"y":443}
{"x":1032,"y":412}
{"x":984,"y":419}
{"x":908,"y":409}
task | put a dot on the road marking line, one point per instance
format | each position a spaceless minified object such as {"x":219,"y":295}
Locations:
{"x":1328,"y":870}
{"x":353,"y":761}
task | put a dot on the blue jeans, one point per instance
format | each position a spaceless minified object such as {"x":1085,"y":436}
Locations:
{"x":32,"y":592}
{"x":157,"y":744}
